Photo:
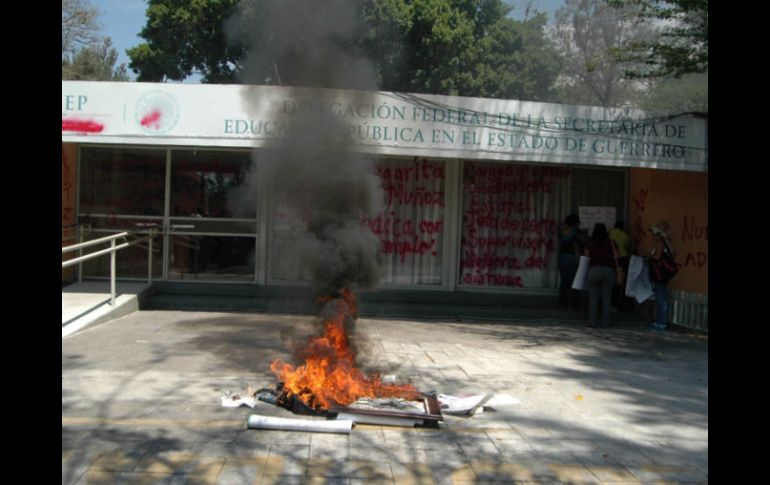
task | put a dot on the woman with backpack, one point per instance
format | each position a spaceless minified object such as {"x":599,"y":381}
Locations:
{"x":662,"y":269}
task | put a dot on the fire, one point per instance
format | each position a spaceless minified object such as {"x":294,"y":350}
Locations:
{"x":329,"y":374}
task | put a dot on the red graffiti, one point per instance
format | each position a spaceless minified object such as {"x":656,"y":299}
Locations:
{"x":417,"y":197}
{"x":691,"y":231}
{"x":152,"y":120}
{"x":492,"y":279}
{"x":419,"y":170}
{"x":698,"y":260}
{"x":65,"y":175}
{"x":81,"y":126}
{"x":402,"y":248}
{"x":489,"y":260}
{"x":640,"y":201}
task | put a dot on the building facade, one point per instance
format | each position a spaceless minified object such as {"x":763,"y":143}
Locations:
{"x":473,"y":190}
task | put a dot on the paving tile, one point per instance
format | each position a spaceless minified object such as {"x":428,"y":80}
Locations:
{"x":656,"y":473}
{"x":109,"y":478}
{"x":416,"y":472}
{"x":364,"y":469}
{"x":612,"y":474}
{"x":573,"y":473}
{"x":287,"y":460}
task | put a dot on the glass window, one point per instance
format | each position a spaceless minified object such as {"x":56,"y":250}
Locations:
{"x":211,"y":258}
{"x":510,"y":219}
{"x":130,"y":262}
{"x":128,"y":181}
{"x":411,"y":224}
{"x":598,"y":187}
{"x":206,"y":183}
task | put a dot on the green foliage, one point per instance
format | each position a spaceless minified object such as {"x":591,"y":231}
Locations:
{"x":185,"y":36}
{"x":468,"y":48}
{"x":455,"y":47}
{"x":95,"y":62}
{"x":587,"y":32}
{"x":682,"y":46}
{"x":79,"y":25}
{"x":688,"y":93}
{"x":85,"y":55}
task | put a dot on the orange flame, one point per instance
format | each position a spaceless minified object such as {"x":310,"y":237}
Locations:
{"x":329,"y":375}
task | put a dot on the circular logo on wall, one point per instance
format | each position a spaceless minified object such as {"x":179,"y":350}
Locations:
{"x":156,"y":112}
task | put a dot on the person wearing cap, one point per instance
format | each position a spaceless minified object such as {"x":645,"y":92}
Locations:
{"x":662,"y":235}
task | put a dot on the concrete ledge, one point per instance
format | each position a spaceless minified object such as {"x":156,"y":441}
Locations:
{"x":88,"y":303}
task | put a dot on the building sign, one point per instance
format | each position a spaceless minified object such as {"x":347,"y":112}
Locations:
{"x":381,"y":123}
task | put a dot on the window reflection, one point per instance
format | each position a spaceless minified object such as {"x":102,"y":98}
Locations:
{"x":212,"y":258}
{"x":122,"y":181}
{"x":212,"y":184}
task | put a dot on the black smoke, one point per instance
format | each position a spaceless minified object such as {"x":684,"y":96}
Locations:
{"x":304,"y":43}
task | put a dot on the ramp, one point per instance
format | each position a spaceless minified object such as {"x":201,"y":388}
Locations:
{"x":87,"y":303}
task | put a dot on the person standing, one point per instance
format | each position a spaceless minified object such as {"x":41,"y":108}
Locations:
{"x":601,"y":275}
{"x":662,"y":269}
{"x":569,"y":256}
{"x":622,"y":242}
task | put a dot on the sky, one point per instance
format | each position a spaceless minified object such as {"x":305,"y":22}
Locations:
{"x":122,"y":20}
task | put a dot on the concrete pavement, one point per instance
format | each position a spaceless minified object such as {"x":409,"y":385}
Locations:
{"x":141,"y":404}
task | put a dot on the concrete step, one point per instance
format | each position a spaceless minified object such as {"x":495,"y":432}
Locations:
{"x":87,"y":303}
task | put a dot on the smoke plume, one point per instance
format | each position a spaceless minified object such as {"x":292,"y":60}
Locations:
{"x":304,"y":43}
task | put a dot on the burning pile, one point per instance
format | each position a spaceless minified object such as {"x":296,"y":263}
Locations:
{"x":328,"y":376}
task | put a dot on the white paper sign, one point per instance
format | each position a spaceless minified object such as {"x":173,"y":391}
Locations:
{"x":590,"y":216}
{"x":580,"y":276}
{"x":638,"y":281}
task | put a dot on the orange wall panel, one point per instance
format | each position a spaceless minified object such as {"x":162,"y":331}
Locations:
{"x":681,"y":199}
{"x":69,"y":154}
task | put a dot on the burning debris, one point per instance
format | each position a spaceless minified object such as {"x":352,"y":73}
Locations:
{"x":327,"y":381}
{"x":328,"y":375}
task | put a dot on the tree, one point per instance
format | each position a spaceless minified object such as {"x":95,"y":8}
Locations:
{"x":185,"y":37}
{"x":95,"y":62}
{"x":687,"y":93}
{"x":587,"y":33}
{"x":466,"y":47}
{"x":79,"y":25}
{"x":86,"y":55}
{"x":681,"y":47}
{"x":459,"y":47}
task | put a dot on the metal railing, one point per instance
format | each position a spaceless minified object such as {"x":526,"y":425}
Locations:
{"x":689,"y":310}
{"x":112,"y":250}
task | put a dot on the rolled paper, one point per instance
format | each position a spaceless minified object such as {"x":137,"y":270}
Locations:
{"x":256,"y":421}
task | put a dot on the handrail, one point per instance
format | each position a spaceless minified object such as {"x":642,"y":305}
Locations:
{"x":112,"y":250}
{"x":92,"y":242}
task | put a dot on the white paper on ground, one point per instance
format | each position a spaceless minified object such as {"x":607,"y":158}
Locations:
{"x":234,"y":400}
{"x":256,"y":421}
{"x":474,"y":404}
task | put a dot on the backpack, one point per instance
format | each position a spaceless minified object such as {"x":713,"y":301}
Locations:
{"x":665,"y":268}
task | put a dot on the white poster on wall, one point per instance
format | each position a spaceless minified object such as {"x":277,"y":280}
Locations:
{"x":592,"y":215}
